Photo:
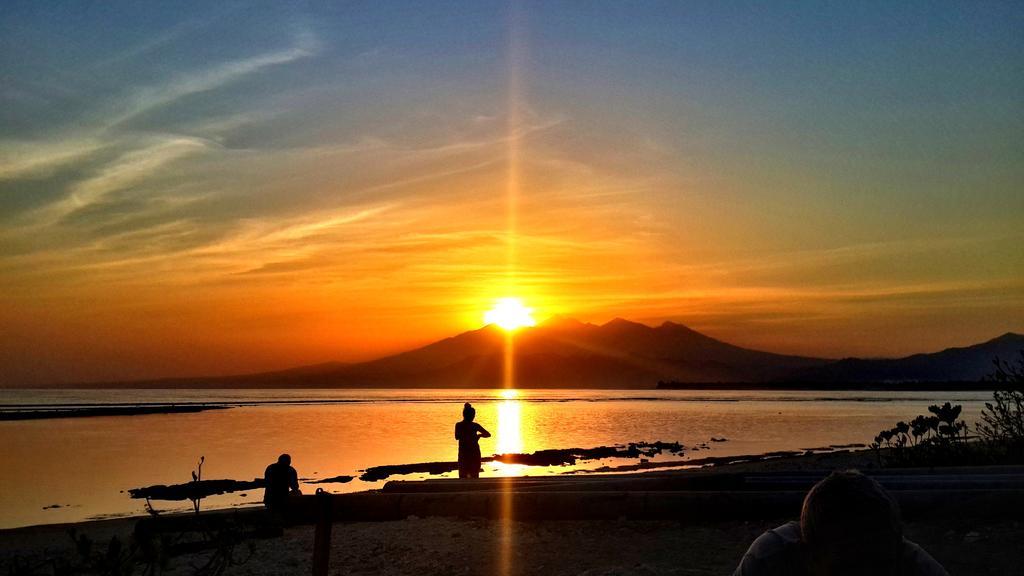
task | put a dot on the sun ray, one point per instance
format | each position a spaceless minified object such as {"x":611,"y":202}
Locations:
{"x":514,"y":308}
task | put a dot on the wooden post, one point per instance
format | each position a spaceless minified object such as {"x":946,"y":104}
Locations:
{"x":322,"y":535}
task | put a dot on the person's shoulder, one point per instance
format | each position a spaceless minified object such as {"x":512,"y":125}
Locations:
{"x":918,"y":562}
{"x":774,"y":552}
{"x":784,"y":536}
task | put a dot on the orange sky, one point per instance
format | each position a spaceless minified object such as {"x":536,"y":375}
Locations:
{"x":196,"y":214}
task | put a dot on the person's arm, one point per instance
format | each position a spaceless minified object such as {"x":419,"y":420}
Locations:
{"x":483,"y":432}
{"x":294,"y":481}
{"x":457,"y":431}
{"x":266,"y":483}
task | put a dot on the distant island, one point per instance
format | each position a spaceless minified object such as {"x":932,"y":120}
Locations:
{"x":908,"y":386}
{"x":566,"y":353}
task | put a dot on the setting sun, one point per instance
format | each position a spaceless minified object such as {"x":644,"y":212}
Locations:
{"x":510,"y":314}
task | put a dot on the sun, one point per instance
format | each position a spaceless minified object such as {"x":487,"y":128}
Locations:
{"x":510,"y":314}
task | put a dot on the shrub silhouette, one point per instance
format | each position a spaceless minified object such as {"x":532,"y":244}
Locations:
{"x":1002,"y":420}
{"x":935,"y":439}
{"x":943,"y":438}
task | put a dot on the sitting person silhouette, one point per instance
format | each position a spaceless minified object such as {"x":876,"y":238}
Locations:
{"x":279,"y":479}
{"x":848,"y":525}
{"x":469,"y":433}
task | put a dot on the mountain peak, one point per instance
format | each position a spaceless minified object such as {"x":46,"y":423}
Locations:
{"x":670,"y":325}
{"x":677,"y":328}
{"x":622,"y":323}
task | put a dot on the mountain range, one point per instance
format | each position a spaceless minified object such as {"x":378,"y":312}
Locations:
{"x":566,"y":353}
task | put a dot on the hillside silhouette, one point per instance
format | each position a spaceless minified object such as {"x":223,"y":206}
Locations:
{"x":566,"y":353}
{"x":965,"y":364}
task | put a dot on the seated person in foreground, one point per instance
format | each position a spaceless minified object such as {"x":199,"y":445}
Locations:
{"x":279,"y":479}
{"x":848,"y":525}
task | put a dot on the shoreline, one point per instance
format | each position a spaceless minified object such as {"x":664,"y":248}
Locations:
{"x":35,"y":413}
{"x":629,"y":474}
{"x":541,"y":460}
{"x":431,"y":537}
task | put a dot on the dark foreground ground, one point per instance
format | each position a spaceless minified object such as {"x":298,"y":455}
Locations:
{"x":967,"y":542}
{"x":419,"y":546}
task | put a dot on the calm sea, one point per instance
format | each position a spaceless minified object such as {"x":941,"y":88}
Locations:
{"x":71,"y":469}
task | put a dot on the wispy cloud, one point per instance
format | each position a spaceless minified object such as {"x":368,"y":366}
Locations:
{"x":305,"y":232}
{"x":129,"y":169}
{"x":168,"y":37}
{"x":27,"y":158}
{"x":194,"y":82}
{"x":37,"y":159}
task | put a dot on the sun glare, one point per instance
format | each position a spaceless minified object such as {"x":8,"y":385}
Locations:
{"x":510,"y":314}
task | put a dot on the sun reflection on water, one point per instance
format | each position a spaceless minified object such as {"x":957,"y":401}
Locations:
{"x":510,"y":433}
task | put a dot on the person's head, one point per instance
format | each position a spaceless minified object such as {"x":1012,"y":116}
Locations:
{"x":851,"y":525}
{"x":284,"y":459}
{"x":468,"y":412}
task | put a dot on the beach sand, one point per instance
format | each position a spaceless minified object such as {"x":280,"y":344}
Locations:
{"x":417,"y":546}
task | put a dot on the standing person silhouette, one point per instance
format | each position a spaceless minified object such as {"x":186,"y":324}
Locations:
{"x":469,"y":433}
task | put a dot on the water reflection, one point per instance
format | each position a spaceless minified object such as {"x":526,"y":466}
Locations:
{"x":84,"y":463}
{"x":510,"y":432}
